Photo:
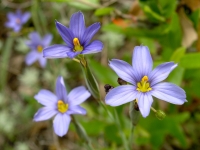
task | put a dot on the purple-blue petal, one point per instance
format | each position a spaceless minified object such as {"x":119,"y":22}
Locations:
{"x":11,"y":16}
{"x":31,"y":57}
{"x":35,"y":38}
{"x":72,"y":54}
{"x":46,"y":98}
{"x":31,"y":45}
{"x":44,"y":113}
{"x":123,"y":70}
{"x":10,"y":24}
{"x":18,"y":13}
{"x":76,"y":110}
{"x":89,"y":33}
{"x":145,"y":101}
{"x":25,"y":17}
{"x":66,"y":34}
{"x":17,"y":28}
{"x":61,"y":89}
{"x":121,"y":95}
{"x":169,"y":92}
{"x":47,"y":40}
{"x":78,"y":95}
{"x":77,"y":24}
{"x":94,"y":47}
{"x":61,"y":124}
{"x":42,"y":61}
{"x":161,"y":72}
{"x":141,"y":61}
{"x":56,"y":51}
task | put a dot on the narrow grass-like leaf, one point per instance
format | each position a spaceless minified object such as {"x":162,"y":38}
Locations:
{"x":6,"y":52}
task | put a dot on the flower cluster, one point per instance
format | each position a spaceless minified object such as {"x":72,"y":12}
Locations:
{"x":143,"y":82}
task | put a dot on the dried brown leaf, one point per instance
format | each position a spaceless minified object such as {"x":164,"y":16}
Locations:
{"x":189,"y":33}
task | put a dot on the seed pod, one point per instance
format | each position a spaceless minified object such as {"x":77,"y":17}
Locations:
{"x":160,"y":114}
{"x":134,"y":112}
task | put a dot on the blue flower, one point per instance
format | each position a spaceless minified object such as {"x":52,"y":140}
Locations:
{"x":61,"y":105}
{"x":145,"y":83}
{"x":16,"y":20}
{"x":77,"y":37}
{"x":37,"y":45}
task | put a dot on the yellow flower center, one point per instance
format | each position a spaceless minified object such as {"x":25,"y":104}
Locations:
{"x":18,"y":21}
{"x":77,"y":45}
{"x":39,"y":48}
{"x":62,"y":107}
{"x":143,"y":85}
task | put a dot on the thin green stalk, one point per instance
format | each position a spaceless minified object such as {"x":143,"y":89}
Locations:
{"x":124,"y":140}
{"x":131,"y":136}
{"x":35,"y":17}
{"x":110,"y":115}
{"x":117,"y":122}
{"x":153,"y":109}
{"x":6,"y":53}
{"x":81,"y":132}
{"x":89,"y":146}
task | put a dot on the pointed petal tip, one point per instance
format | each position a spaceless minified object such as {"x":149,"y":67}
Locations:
{"x":60,"y":134}
{"x":144,"y":115}
{"x":79,"y":12}
{"x":175,"y":65}
{"x":60,"y":79}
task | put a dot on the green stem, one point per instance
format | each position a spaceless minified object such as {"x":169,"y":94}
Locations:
{"x":4,"y":65}
{"x":35,"y":17}
{"x":124,"y":140}
{"x":117,"y":122}
{"x":77,"y":60}
{"x":110,"y":115}
{"x":153,"y":109}
{"x":131,"y":136}
{"x":80,"y":130}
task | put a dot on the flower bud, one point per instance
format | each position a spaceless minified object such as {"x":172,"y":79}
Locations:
{"x":160,"y":114}
{"x":107,"y":88}
{"x":134,"y":112}
{"x":121,"y":81}
{"x":90,"y":80}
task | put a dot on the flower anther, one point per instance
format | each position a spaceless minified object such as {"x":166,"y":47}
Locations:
{"x":39,"y":48}
{"x":62,"y":107}
{"x":77,"y":45}
{"x":144,"y":85}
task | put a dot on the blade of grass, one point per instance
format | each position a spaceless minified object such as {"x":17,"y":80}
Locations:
{"x":6,"y":52}
{"x":35,"y":16}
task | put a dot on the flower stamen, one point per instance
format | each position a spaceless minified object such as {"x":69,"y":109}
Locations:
{"x":18,"y":21}
{"x":143,"y":85}
{"x":39,"y":48}
{"x":77,"y":45}
{"x":62,"y":107}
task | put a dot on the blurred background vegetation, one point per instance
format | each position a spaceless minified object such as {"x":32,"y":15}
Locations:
{"x":171,"y":30}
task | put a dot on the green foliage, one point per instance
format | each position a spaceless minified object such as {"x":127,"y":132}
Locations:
{"x":109,"y":77}
{"x":103,"y":11}
{"x":171,"y":125}
{"x":156,"y":24}
{"x":5,"y":60}
{"x":190,"y":61}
